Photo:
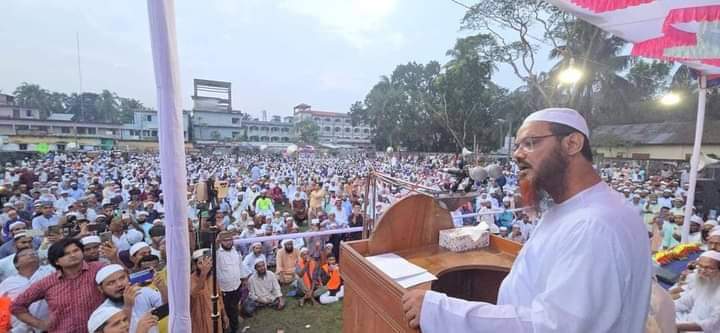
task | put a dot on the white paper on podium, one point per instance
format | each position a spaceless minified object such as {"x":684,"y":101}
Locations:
{"x":414,"y":280}
{"x":399,"y":269}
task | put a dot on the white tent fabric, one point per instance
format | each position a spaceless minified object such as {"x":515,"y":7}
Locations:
{"x":172,"y":160}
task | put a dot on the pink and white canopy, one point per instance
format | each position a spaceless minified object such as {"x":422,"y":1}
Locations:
{"x":687,"y":31}
{"x":679,"y":30}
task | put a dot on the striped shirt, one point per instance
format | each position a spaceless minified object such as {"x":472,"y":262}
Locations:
{"x":70,"y":301}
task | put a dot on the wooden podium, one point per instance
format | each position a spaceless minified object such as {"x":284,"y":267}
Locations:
{"x":410,"y":228}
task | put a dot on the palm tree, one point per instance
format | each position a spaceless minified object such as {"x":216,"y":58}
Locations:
{"x":108,"y":107}
{"x":32,"y":96}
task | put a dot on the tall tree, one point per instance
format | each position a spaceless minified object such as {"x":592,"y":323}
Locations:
{"x":108,"y":107}
{"x":307,"y":131}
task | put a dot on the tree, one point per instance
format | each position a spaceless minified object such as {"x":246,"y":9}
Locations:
{"x":308,"y":131}
{"x":107,"y":107}
{"x":128,"y":107}
{"x":33,"y":96}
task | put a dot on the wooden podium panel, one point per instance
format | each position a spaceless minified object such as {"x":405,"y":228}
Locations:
{"x":410,"y":228}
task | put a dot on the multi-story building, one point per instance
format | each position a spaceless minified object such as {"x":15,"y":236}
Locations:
{"x":335,"y":128}
{"x":145,"y":126}
{"x":213,"y":118}
{"x":275,"y":130}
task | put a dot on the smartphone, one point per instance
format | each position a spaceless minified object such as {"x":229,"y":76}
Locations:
{"x":34,"y":232}
{"x":97,"y":227}
{"x":161,"y":311}
{"x":142,"y":277}
{"x":106,"y":237}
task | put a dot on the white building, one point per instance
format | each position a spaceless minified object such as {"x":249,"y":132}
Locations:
{"x":145,"y":126}
{"x":213,"y":118}
{"x":335,"y":128}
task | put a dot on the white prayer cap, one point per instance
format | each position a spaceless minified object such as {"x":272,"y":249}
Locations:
{"x":259,"y":260}
{"x":563,"y":116}
{"x":142,"y":213}
{"x":714,"y":233}
{"x":87,"y":240}
{"x":315,"y":221}
{"x":714,"y":255}
{"x":101,"y":315}
{"x":696,"y":219}
{"x":711,"y":222}
{"x":137,"y":247}
{"x":329,"y":246}
{"x":133,"y":236}
{"x":20,"y":234}
{"x":503,"y":228}
{"x":303,"y":250}
{"x":106,"y":271}
{"x":17,"y":224}
{"x":199,"y":253}
{"x":285,"y":241}
{"x":255,"y":244}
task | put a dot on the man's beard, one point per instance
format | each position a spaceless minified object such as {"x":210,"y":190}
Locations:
{"x":116,"y":300}
{"x":707,"y":288}
{"x":288,"y":250}
{"x":550,"y":179}
{"x":226,"y":248}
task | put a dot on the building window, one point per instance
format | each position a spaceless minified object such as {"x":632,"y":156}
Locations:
{"x":16,"y":113}
{"x":337,"y":120}
{"x":22,"y":127}
{"x":28,"y":113}
{"x":145,"y":133}
{"x":154,"y":133}
{"x":22,"y":146}
{"x":273,"y":129}
{"x":148,"y":118}
{"x":253,"y":128}
{"x":235,"y":135}
{"x":236,"y":121}
{"x":337,"y":129}
{"x":253,"y":138}
{"x":347,"y":121}
{"x":274,"y":139}
{"x":285,"y":139}
{"x":366,"y":131}
{"x":91,"y":130}
{"x":327,"y":128}
{"x":65,"y":130}
{"x":285,"y":129}
{"x":60,"y":147}
{"x":347,"y":129}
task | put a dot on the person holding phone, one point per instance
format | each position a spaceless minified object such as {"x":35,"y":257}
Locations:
{"x":114,"y":283}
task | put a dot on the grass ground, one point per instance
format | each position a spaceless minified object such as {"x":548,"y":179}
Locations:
{"x":321,"y":318}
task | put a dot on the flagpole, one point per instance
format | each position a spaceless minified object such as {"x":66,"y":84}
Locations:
{"x":699,"y":125}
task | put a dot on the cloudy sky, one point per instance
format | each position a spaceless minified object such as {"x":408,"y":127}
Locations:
{"x":276,"y":53}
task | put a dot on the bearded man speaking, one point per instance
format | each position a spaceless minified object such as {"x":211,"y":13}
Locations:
{"x":586,"y":268}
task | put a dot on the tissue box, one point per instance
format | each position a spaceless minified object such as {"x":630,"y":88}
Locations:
{"x":464,"y":239}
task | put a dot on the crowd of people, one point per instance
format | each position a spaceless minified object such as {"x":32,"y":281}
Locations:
{"x":84,"y":250}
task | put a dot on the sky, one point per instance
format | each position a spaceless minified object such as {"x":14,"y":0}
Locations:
{"x":276,"y":53}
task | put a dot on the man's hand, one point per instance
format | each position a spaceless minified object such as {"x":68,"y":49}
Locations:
{"x":204,"y":264}
{"x":146,"y":322}
{"x":129,"y":295}
{"x":412,"y":305}
{"x":109,"y":250}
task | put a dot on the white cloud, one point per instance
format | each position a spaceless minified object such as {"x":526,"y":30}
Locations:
{"x":358,"y":22}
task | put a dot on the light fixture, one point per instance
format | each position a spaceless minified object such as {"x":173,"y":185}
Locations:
{"x":570,"y":75}
{"x":670,"y":99}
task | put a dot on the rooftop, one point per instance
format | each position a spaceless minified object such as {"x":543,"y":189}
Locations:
{"x":667,"y":133}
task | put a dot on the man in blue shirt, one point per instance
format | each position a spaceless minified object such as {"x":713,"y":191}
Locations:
{"x":48,"y":217}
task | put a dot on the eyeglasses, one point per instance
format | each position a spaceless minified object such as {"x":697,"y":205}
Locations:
{"x":708,"y":269}
{"x":528,"y":144}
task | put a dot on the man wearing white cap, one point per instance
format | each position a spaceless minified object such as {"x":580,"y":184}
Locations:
{"x":91,"y":248}
{"x":7,"y":268}
{"x":696,"y":223}
{"x":264,"y":290}
{"x":287,"y":258}
{"x":255,"y":254}
{"x":554,"y":284}
{"x":113,"y":282}
{"x":110,"y":319}
{"x":713,"y":242}
{"x":138,"y":251}
{"x":698,"y":309}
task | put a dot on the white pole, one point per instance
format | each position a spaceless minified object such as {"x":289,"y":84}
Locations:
{"x":172,"y":160}
{"x":699,"y":125}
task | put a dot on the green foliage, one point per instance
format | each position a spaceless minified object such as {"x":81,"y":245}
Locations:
{"x":105,"y":107}
{"x":307,"y":131}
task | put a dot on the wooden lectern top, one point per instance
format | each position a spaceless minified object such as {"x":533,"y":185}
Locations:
{"x":410,"y":228}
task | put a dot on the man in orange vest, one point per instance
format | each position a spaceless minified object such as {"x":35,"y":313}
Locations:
{"x":333,"y":289}
{"x":307,"y":281}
